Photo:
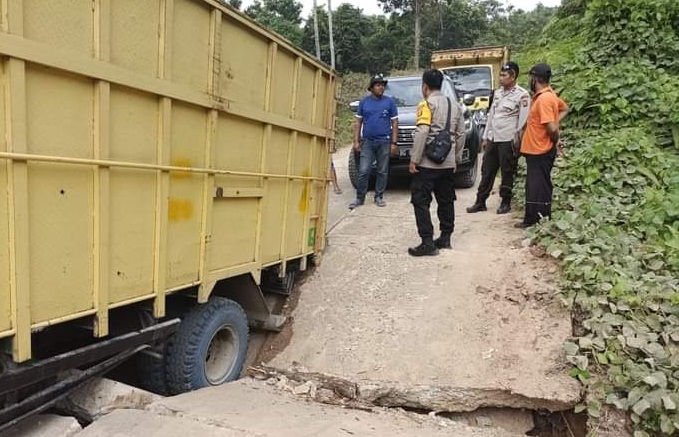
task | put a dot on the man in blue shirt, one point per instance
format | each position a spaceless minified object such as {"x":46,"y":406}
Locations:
{"x":377,"y":120}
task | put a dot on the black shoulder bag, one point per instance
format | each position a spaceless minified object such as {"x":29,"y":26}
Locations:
{"x":438,"y":147}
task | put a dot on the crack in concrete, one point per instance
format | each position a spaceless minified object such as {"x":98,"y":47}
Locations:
{"x":363,"y":394}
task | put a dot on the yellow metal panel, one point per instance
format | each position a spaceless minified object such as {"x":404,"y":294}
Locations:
{"x":190,"y":43}
{"x":134,"y":126}
{"x":161,"y":207}
{"x":234,"y":225}
{"x":238,"y":148}
{"x":243,"y":81}
{"x":297,"y":207}
{"x":298,"y":204}
{"x":281,"y":97}
{"x":61,"y":229}
{"x":132,"y":233}
{"x":305,"y":94}
{"x":272,"y":219}
{"x":274,"y":198}
{"x":60,"y":113}
{"x":61,"y":23}
{"x":322,"y":97}
{"x":64,"y":59}
{"x":5,"y":303}
{"x":188,"y":139}
{"x":134,"y":35}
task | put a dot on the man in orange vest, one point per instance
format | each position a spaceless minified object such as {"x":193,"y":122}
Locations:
{"x":539,"y":144}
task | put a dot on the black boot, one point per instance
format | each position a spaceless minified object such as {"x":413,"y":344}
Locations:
{"x":443,"y":242}
{"x":504,"y":207}
{"x":427,"y":248}
{"x":477,"y":207}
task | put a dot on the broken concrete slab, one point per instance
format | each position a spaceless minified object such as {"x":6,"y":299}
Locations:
{"x":134,"y":423}
{"x":263,"y":410}
{"x":418,"y":332}
{"x":44,"y":425}
{"x":100,"y":396}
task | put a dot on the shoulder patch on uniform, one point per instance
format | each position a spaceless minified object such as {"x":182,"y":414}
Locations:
{"x":423,"y":113}
{"x":524,"y":102}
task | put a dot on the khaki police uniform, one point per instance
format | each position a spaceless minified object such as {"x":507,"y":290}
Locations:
{"x":506,"y":120}
{"x":438,"y":179}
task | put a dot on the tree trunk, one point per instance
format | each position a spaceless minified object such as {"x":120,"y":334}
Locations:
{"x":418,"y":31}
{"x":317,"y":39}
{"x":332,"y":40}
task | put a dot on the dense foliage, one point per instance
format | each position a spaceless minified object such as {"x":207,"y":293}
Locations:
{"x":616,"y":229}
{"x":382,"y":44}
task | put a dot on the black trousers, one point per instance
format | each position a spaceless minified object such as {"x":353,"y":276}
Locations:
{"x":498,"y":156}
{"x":440,"y":182}
{"x":539,"y":186}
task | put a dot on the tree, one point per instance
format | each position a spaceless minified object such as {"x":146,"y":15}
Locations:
{"x":410,"y":6}
{"x":281,"y":16}
{"x":317,"y":38}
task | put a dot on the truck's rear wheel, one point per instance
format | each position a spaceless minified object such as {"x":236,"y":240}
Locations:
{"x":209,"y":347}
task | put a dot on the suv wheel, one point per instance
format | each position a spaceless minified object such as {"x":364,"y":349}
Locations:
{"x":467,"y":178}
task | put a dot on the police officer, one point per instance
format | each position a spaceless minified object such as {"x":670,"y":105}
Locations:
{"x":433,"y":114}
{"x":501,"y":139}
{"x":377,"y":126}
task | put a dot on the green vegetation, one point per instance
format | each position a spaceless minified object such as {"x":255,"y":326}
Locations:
{"x":382,"y":44}
{"x":615,"y":227}
{"x":616,"y":222}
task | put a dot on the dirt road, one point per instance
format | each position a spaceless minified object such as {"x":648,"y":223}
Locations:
{"x":479,"y":325}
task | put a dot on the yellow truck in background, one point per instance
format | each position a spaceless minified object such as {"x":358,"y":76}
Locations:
{"x":475,"y":71}
{"x":163,"y":164}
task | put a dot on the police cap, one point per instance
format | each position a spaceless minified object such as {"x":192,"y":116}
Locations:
{"x":511,"y":66}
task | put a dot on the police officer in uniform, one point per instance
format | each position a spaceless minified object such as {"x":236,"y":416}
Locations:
{"x":502,"y":138}
{"x":429,"y":178}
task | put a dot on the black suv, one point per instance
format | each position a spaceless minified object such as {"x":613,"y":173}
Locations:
{"x":407,"y":93}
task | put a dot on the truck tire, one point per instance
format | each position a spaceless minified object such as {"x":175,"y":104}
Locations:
{"x":151,"y":370}
{"x":209,"y":347}
{"x":467,"y":178}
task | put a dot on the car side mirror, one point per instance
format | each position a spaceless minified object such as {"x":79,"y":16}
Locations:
{"x":468,"y":99}
{"x":354,"y":106}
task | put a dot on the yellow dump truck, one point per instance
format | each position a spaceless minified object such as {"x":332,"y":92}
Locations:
{"x":163,"y":164}
{"x":475,"y":71}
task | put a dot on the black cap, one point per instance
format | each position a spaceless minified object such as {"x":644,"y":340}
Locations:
{"x":541,"y":70}
{"x":378,"y":78}
{"x":511,"y":66}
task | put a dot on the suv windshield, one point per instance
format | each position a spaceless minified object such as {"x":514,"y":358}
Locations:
{"x":471,"y":80}
{"x":405,"y":92}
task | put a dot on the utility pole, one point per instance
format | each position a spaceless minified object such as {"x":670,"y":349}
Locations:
{"x":332,"y":41}
{"x":316,"y":37}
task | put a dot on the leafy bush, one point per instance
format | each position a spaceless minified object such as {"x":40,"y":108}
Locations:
{"x":616,"y":221}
